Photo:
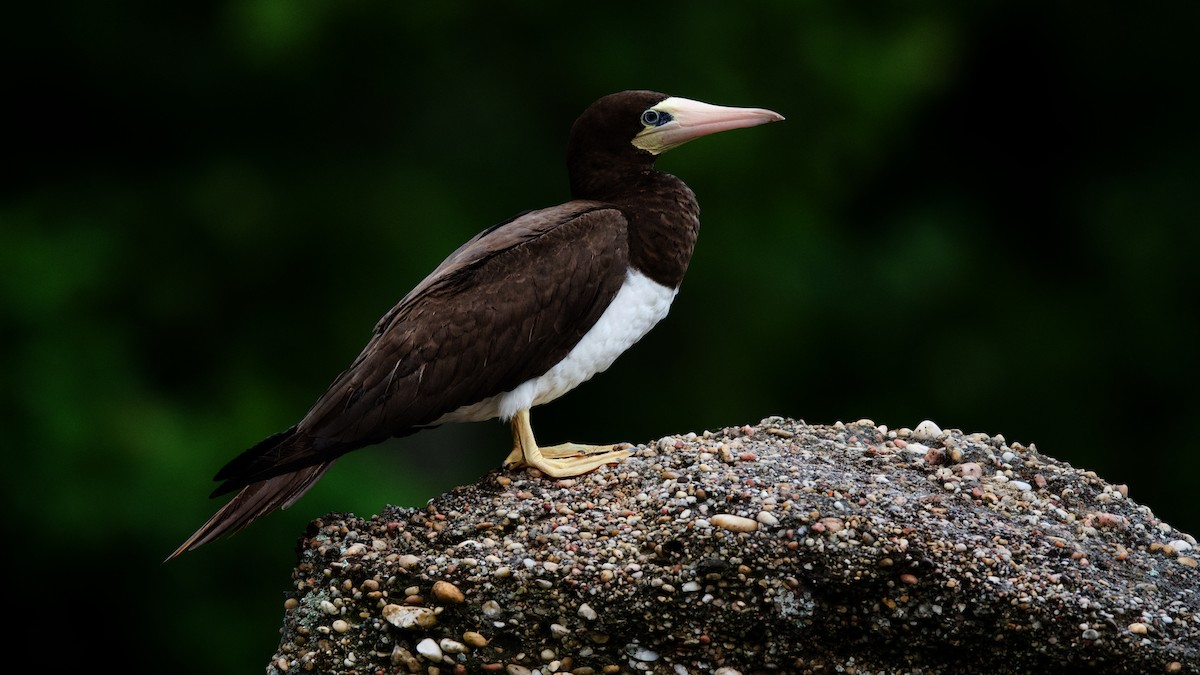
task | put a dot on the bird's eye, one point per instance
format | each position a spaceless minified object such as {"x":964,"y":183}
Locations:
{"x":654,"y":118}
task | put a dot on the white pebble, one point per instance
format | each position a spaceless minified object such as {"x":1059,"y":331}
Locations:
{"x":452,"y":646}
{"x":328,"y":607}
{"x":429,"y":649}
{"x":927,"y":431}
{"x":640,"y":653}
{"x":767,"y":518}
{"x":1021,"y":485}
{"x":586,"y":611}
{"x":691,"y":586}
{"x":406,"y":616}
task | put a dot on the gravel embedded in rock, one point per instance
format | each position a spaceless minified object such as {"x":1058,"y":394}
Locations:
{"x":853,"y":547}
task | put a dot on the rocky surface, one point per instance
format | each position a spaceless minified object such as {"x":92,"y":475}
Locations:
{"x":779,"y":547}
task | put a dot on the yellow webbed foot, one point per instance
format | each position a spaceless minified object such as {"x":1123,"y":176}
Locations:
{"x":558,"y":461}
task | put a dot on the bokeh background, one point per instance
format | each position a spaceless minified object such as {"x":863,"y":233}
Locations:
{"x":984,"y":214}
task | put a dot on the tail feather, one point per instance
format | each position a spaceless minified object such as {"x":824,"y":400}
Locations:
{"x":260,"y":461}
{"x":254,"y":501}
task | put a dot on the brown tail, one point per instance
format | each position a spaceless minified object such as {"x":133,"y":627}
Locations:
{"x":253,"y":501}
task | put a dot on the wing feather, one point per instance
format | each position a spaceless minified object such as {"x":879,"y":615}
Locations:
{"x":503,"y":308}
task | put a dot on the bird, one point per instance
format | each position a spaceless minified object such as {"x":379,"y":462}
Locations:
{"x":514,"y":318}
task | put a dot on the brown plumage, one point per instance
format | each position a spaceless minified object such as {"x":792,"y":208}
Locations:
{"x":473,"y":340}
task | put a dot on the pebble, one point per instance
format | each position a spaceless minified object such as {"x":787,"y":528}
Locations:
{"x":447,"y":592}
{"x":832,"y":524}
{"x":1138,"y":628}
{"x":767,"y":518}
{"x":733,"y":523}
{"x":409,"y":617}
{"x":341,"y":626}
{"x":474,"y":639}
{"x":586,"y":612}
{"x":401,"y":656}
{"x":1021,"y":485}
{"x":449,"y":646}
{"x":429,"y":649}
{"x":970,"y":470}
{"x":640,"y":653}
{"x":328,"y":607}
{"x":1091,"y":634}
{"x":927,"y":431}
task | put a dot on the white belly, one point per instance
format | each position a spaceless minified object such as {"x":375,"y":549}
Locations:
{"x":639,"y":304}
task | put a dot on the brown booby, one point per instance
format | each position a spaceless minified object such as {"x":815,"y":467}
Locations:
{"x":516,"y":317}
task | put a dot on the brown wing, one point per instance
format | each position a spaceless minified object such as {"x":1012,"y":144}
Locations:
{"x":503,"y":308}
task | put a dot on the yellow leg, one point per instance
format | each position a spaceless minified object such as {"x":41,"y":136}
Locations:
{"x":558,"y":461}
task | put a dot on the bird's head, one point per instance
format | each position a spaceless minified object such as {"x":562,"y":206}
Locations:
{"x":626,"y":131}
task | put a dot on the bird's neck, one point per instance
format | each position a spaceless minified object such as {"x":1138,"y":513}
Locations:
{"x":664,"y":221}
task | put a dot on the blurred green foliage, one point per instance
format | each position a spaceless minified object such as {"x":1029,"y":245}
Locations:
{"x":984,"y":214}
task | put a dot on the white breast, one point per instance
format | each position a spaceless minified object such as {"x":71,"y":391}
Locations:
{"x":639,"y":305}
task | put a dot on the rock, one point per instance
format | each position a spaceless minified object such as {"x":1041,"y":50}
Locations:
{"x":801,"y":560}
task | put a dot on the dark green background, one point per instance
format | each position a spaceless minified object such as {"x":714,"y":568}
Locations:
{"x":983,"y":214}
